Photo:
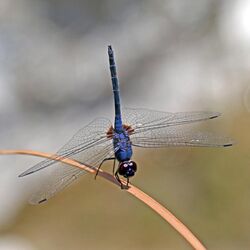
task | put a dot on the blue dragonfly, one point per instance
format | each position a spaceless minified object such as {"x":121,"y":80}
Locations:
{"x":101,"y":141}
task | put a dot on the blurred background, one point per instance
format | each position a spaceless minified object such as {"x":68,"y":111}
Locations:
{"x":173,"y":56}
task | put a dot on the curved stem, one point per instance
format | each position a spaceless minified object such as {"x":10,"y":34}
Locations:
{"x":140,"y":195}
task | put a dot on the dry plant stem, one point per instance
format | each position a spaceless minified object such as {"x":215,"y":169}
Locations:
{"x":153,"y":204}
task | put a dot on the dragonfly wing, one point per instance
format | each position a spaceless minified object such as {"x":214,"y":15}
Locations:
{"x":89,"y":145}
{"x":172,"y":137}
{"x":146,"y":119}
{"x":160,"y":129}
{"x":62,"y":175}
{"x":93,"y":134}
{"x":57,"y":180}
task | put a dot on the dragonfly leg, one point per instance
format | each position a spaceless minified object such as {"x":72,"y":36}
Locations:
{"x":118,"y":179}
{"x":106,"y":159}
{"x":127,"y":182}
{"x":114,"y":167}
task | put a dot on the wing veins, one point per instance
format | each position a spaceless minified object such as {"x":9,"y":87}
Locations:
{"x":70,"y":152}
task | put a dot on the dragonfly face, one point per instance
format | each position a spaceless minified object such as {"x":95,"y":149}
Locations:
{"x":127,"y":169}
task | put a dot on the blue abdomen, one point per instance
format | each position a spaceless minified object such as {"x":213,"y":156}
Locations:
{"x":115,"y":86}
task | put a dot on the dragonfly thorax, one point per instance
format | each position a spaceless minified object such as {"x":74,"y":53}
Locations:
{"x":122,"y":146}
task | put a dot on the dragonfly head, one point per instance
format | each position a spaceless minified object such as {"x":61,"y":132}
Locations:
{"x":127,"y":168}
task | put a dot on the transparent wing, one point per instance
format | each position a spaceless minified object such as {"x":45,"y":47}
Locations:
{"x":62,"y":175}
{"x":93,"y":134}
{"x":159,"y":129}
{"x":89,"y":145}
{"x":176,"y":137}
{"x":145,"y":119}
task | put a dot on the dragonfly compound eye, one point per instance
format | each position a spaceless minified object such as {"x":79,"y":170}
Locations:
{"x":127,"y":169}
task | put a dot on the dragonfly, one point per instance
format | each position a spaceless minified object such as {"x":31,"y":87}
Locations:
{"x":101,"y":141}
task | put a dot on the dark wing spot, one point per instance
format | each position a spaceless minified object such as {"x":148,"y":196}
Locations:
{"x":41,"y":201}
{"x":214,"y":116}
